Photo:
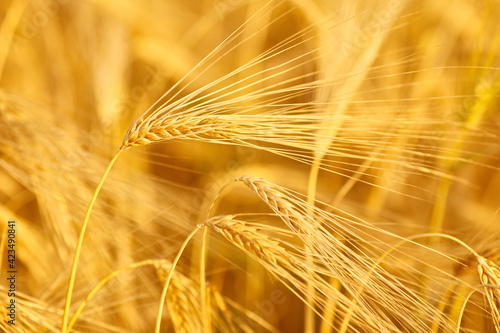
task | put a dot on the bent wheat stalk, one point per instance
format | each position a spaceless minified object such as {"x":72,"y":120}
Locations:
{"x":74,"y":266}
{"x":169,"y":277}
{"x":466,"y":300}
{"x":103,"y":282}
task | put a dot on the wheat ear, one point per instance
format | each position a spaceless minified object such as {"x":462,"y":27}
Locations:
{"x":183,"y":306}
{"x":248,"y":238}
{"x":155,"y":129}
{"x":274,"y":199}
{"x":269,"y":193}
{"x":342,"y":263}
{"x":294,"y":272}
{"x":489,"y":274}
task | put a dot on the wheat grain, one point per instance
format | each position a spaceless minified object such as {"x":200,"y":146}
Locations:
{"x":183,"y":305}
{"x":249,"y":239}
{"x":175,"y":127}
{"x":271,"y":195}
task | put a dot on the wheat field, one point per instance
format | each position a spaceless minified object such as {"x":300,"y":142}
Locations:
{"x":250,"y":166}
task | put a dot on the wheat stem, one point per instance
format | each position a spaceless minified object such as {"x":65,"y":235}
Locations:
{"x":102,"y":283}
{"x":466,"y":300}
{"x":78,"y":250}
{"x":309,"y":316}
{"x":203,"y":263}
{"x":169,"y":277}
{"x":203,"y":293}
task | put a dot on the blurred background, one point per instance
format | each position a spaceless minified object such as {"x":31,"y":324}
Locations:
{"x":411,"y":86}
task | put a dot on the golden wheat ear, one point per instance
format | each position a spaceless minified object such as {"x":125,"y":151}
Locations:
{"x":176,"y":127}
{"x":288,"y":264}
{"x":249,"y":239}
{"x":489,"y":275}
{"x":330,"y":243}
